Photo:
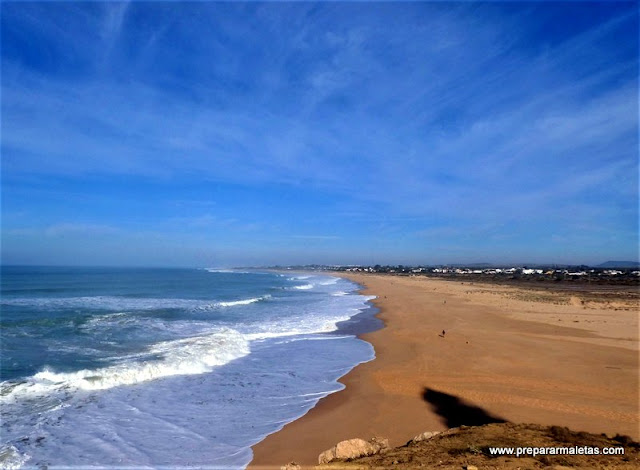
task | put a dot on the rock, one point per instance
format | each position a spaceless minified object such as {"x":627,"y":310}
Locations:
{"x":470,"y":467}
{"x":424,"y":436}
{"x":327,"y":456}
{"x":354,"y":448}
{"x":380,"y":443}
{"x":291,"y":466}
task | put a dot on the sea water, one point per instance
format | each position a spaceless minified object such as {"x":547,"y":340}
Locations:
{"x":153,"y":368}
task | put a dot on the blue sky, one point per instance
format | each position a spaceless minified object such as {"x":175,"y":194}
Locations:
{"x":220,"y":134}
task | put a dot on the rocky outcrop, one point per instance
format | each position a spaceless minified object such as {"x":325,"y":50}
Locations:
{"x":424,"y":436}
{"x":291,"y":466}
{"x":467,"y":448}
{"x":381,"y":443}
{"x":354,"y":448}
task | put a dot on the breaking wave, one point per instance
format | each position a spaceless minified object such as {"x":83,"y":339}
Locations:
{"x":304,"y":287}
{"x":243,"y":302}
{"x":11,"y":458}
{"x":195,"y":355}
{"x":125,"y":303}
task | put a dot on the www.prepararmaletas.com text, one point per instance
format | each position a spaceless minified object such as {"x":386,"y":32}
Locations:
{"x":575,"y":450}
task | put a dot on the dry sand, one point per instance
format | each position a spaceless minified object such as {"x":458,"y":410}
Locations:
{"x":527,"y":356}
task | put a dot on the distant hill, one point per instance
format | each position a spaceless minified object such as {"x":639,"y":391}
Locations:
{"x":619,"y":264}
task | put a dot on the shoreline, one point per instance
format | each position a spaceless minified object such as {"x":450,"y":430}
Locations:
{"x":508,"y":355}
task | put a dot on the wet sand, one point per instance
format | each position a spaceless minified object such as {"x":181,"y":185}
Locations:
{"x":517,"y":354}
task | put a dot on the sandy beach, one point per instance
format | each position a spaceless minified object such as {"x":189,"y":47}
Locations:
{"x":521,"y":355}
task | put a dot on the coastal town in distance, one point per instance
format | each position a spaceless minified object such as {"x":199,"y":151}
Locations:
{"x":611,"y":272}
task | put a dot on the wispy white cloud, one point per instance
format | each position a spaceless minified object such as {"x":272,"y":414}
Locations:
{"x":113,"y":19}
{"x":316,"y":237}
{"x":422,"y":118}
{"x":63,"y":229}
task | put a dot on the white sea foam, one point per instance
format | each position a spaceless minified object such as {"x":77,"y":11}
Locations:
{"x":234,"y":271}
{"x":126,"y":303}
{"x":300,"y":325}
{"x":11,"y":458}
{"x":188,"y":356}
{"x":243,"y":302}
{"x":304,"y":287}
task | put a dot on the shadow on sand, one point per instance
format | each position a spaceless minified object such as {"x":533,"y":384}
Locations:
{"x":455,"y":412}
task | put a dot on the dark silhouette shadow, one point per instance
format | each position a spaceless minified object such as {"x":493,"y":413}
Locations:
{"x":455,"y":412}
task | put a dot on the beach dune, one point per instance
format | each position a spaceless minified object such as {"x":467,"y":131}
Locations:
{"x":455,"y":353}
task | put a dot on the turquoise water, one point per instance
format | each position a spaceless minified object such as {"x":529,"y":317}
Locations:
{"x":166,"y":367}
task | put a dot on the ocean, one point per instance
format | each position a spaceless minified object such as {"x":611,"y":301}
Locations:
{"x":108,"y":367}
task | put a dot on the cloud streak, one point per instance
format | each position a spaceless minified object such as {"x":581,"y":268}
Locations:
{"x":452,"y":115}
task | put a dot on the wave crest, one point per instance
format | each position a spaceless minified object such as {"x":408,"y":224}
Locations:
{"x":188,"y":356}
{"x":122,"y":304}
{"x":243,"y":302}
{"x":304,"y":287}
